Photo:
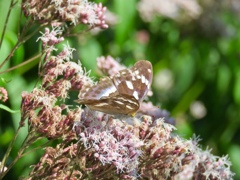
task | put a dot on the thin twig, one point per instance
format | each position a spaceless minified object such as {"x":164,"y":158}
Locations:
{"x":20,"y":42}
{"x":2,"y":172}
{"x":77,"y":34}
{"x":42,"y":146}
{"x":10,"y":54}
{"x":21,"y":64}
{"x":12,"y":4}
{"x":25,"y":144}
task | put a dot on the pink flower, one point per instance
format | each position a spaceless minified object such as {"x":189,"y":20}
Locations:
{"x":3,"y":94}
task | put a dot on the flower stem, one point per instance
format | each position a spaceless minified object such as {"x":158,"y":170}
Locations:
{"x":28,"y":140}
{"x":21,"y":64}
{"x":2,"y":173}
{"x":12,"y":4}
{"x":20,"y":41}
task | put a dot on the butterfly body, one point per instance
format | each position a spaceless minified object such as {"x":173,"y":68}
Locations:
{"x":121,"y":93}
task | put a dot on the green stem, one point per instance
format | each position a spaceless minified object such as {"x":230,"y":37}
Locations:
{"x":7,"y":153}
{"x":28,"y":140}
{"x":34,"y":149}
{"x":21,"y":64}
{"x":12,"y":4}
{"x":20,"y":41}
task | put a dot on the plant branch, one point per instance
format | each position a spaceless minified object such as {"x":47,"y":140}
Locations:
{"x":2,"y":173}
{"x":21,"y":64}
{"x":20,"y":41}
{"x":28,"y":140}
{"x":41,"y":146}
{"x":12,"y":4}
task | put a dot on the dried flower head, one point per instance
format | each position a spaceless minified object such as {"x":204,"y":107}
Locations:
{"x":45,"y":106}
{"x":57,"y":163}
{"x":74,"y":11}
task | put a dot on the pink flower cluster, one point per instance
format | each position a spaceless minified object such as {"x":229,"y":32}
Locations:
{"x":76,"y":12}
{"x":57,"y":163}
{"x":113,"y":141}
{"x":175,"y":9}
{"x":142,"y":147}
{"x":108,"y":146}
{"x":108,"y":65}
{"x":59,"y":75}
{"x":3,"y":94}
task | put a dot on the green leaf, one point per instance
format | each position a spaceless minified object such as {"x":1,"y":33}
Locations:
{"x":126,"y":14}
{"x":88,"y":53}
{"x":6,"y":136}
{"x":9,"y":41}
{"x":223,"y":78}
{"x":184,"y":127}
{"x":234,"y":153}
{"x":18,"y":55}
{"x":8,"y":109}
{"x":236,"y":89}
{"x":13,"y":22}
{"x":193,"y":93}
{"x":184,"y":68}
{"x":4,"y":51}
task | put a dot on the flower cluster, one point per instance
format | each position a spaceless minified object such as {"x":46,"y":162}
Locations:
{"x":112,"y":148}
{"x":57,"y":163}
{"x":108,"y":146}
{"x":112,"y":141}
{"x":3,"y":94}
{"x":181,"y":159}
{"x":174,"y":9}
{"x":46,"y":114}
{"x":204,"y":165}
{"x":147,"y":108}
{"x":108,"y":65}
{"x":76,"y":12}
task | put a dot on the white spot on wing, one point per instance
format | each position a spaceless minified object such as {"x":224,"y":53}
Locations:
{"x":136,"y":72}
{"x":143,"y":79}
{"x":119,"y":102}
{"x":107,"y":91}
{"x":129,"y":84}
{"x":129,"y":107}
{"x":101,"y":104}
{"x":146,"y":82}
{"x":135,"y":94}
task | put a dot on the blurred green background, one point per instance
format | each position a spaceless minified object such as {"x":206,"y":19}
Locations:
{"x":194,"y":47}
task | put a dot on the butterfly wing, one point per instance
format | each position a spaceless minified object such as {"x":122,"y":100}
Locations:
{"x":104,"y":88}
{"x":115,"y":104}
{"x":135,"y":81}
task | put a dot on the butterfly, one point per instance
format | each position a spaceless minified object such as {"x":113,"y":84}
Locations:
{"x":121,"y":93}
